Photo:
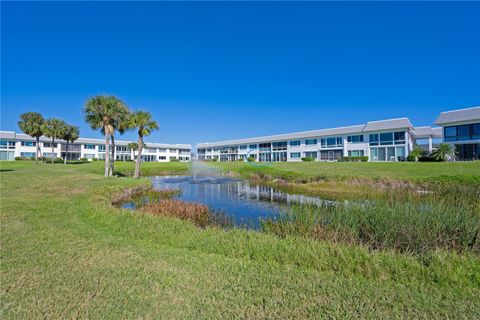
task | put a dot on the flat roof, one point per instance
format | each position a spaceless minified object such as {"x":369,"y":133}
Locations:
{"x":26,"y":137}
{"x":460,"y":115}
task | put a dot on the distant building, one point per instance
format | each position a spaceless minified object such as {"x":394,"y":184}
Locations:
{"x":21,"y":145}
{"x":462,"y":129}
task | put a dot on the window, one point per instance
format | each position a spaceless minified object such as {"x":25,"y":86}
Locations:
{"x":101,"y":148}
{"x":373,"y":138}
{"x":265,"y":147}
{"x":332,"y":142}
{"x":399,"y":136}
{"x":27,"y":154}
{"x":89,"y":155}
{"x":243,"y":147}
{"x":90,"y":146}
{"x":7,"y":155}
{"x":173,"y":150}
{"x":309,"y":154}
{"x":121,"y":148}
{"x":162,"y":158}
{"x":253,"y":146}
{"x":356,"y":153}
{"x":463,"y":132}
{"x":49,"y":145}
{"x":386,"y":138}
{"x":49,"y":154}
{"x":355,"y":139}
{"x":7,"y":144}
{"x":295,"y":155}
{"x":294,"y":143}
{"x":278,"y":146}
{"x":28,"y":144}
{"x":310,"y":142}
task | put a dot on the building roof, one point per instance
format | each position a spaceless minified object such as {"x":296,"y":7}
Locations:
{"x":427,"y":132}
{"x":389,"y":124}
{"x":460,"y":115}
{"x":22,"y":136}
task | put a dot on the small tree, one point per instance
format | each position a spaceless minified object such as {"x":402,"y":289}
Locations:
{"x":70,"y":134}
{"x":143,"y":122}
{"x":416,"y":153}
{"x":32,"y":124}
{"x":54,"y":128}
{"x":443,"y":152}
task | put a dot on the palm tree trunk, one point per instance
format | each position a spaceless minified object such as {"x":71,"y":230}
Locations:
{"x":107,"y":150}
{"x":112,"y":160}
{"x":38,"y":149}
{"x":66,"y":153}
{"x":53,"y":141}
{"x":139,"y":157}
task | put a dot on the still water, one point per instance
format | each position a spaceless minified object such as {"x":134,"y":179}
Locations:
{"x":246,"y":203}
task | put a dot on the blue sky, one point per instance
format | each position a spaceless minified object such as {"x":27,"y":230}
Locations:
{"x":214,"y":71}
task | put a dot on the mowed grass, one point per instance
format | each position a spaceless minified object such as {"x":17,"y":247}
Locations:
{"x":67,"y":253}
{"x":415,"y":171}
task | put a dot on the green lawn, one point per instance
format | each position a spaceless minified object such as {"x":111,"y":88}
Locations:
{"x":396,"y":170}
{"x":67,"y":253}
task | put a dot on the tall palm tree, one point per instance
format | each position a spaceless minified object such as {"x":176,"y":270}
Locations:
{"x":443,"y":152}
{"x":54,"y":128}
{"x":143,"y":122}
{"x":101,"y":112}
{"x":32,"y":124}
{"x":120,"y":124}
{"x":70,"y":134}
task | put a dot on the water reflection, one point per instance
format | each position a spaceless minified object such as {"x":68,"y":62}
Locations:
{"x":245,"y":202}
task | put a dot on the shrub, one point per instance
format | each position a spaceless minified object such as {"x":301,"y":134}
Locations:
{"x":241,"y":160}
{"x":356,"y":159}
{"x":214,"y":159}
{"x":251,"y":159}
{"x":174,"y":160}
{"x":94,"y":159}
{"x":308,"y":159}
{"x":83,"y":159}
{"x":20,"y":158}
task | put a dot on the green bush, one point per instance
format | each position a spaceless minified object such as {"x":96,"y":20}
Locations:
{"x":251,"y":159}
{"x":308,"y":159}
{"x":83,"y":159}
{"x":356,"y":159}
{"x":22,"y":158}
{"x":94,"y":159}
{"x":174,"y":160}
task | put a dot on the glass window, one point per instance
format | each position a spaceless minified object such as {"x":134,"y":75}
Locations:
{"x":295,"y":155}
{"x":27,"y":154}
{"x":309,"y":142}
{"x":276,"y":146}
{"x":101,"y":148}
{"x":49,"y":145}
{"x":463,"y":132}
{"x":7,"y":144}
{"x":400,"y":152}
{"x":450,"y":133}
{"x":391,"y":154}
{"x":373,"y":138}
{"x":355,"y":139}
{"x":89,"y":155}
{"x":355,"y":153}
{"x":374,"y":154}
{"x":7,"y":155}
{"x":310,"y":154}
{"x":253,"y":146}
{"x":28,"y":144}
{"x":90,"y":146}
{"x":294,"y":143}
{"x":243,"y":147}
{"x":476,"y":131}
{"x":386,"y":138}
{"x":399,"y":136}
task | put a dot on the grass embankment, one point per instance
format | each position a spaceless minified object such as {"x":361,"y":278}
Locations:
{"x":67,"y":253}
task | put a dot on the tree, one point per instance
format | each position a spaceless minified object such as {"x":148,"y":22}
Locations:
{"x":102,"y":112}
{"x":32,"y":124}
{"x":143,"y":122}
{"x":416,"y":153}
{"x":70,"y":134}
{"x":54,"y":128}
{"x":443,"y":152}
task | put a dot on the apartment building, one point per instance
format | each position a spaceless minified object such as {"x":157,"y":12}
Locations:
{"x":461,"y":128}
{"x":14,"y":144}
{"x":386,"y":140}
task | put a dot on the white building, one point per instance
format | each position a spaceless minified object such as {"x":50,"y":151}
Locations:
{"x":462,"y":129}
{"x":386,"y":140}
{"x":14,"y":145}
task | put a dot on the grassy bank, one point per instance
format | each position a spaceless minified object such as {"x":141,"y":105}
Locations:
{"x":66,"y":252}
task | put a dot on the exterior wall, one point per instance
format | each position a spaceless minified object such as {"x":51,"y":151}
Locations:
{"x":93,"y":148}
{"x":321,"y":152}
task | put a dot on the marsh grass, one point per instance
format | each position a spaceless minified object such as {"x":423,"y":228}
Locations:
{"x":413,"y":227}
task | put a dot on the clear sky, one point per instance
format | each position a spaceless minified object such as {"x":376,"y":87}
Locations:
{"x":215,"y":71}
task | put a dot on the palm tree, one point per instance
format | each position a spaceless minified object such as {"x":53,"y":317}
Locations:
{"x":119,"y":123}
{"x":416,"y":153}
{"x":32,"y":124}
{"x":102,"y":112}
{"x":54,"y":128}
{"x":143,"y":122}
{"x":443,"y":152}
{"x":70,"y":134}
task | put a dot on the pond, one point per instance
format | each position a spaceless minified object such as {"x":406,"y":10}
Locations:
{"x":243,"y":201}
